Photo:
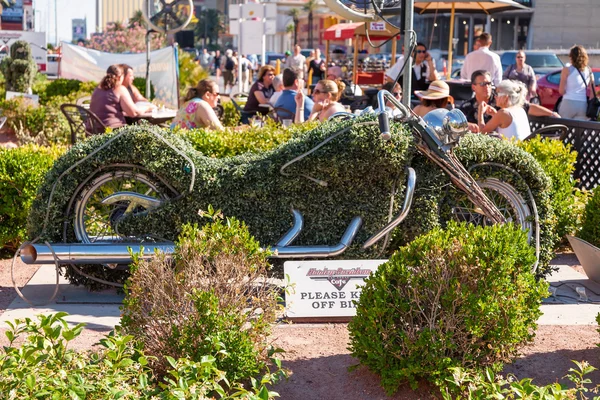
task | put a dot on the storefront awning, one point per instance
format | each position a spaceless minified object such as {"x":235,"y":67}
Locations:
{"x":375,"y":31}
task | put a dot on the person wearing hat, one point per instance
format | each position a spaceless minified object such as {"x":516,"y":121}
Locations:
{"x":437,"y":96}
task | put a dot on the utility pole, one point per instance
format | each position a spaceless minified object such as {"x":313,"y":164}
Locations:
{"x":56,"y":22}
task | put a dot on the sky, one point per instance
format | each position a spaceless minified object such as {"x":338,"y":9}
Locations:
{"x":67,"y":10}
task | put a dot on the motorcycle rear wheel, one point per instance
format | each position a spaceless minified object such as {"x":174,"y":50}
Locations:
{"x":94,"y":222}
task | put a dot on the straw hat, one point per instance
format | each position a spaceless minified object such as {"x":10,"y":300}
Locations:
{"x":437,"y":90}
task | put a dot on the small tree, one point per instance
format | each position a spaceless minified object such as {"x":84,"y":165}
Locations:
{"x":295,"y":14}
{"x":20,"y":68}
{"x":137,"y":20}
{"x":310,"y":7}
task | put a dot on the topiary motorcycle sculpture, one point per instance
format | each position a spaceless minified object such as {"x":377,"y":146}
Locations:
{"x":344,"y":189}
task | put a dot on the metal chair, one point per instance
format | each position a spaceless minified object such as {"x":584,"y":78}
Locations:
{"x":82,"y":122}
{"x":278,"y":114}
{"x":84,"y":101}
{"x":554,"y":132}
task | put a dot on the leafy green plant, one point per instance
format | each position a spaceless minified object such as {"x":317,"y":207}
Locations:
{"x":211,"y":302}
{"x":558,"y":161}
{"x":474,"y":385}
{"x":140,"y":84}
{"x":231,"y":116}
{"x":21,"y":172}
{"x":590,"y":227}
{"x":43,"y":366}
{"x":189,"y":72}
{"x":460,"y":297}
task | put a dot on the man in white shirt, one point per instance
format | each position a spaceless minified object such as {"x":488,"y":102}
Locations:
{"x":297,"y":62}
{"x":392,"y":73}
{"x":483,"y":59}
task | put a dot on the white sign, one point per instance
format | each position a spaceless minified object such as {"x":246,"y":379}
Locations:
{"x":326,"y":288}
{"x":32,"y":99}
{"x":377,"y":26}
{"x":253,"y":10}
{"x":37,"y":41}
{"x":252,"y":37}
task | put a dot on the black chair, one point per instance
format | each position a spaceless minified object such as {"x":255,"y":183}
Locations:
{"x":220,"y":111}
{"x":82,"y":122}
{"x":278,"y":114}
{"x":554,"y":131}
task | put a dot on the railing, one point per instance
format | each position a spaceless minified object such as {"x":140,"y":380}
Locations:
{"x":584,"y":136}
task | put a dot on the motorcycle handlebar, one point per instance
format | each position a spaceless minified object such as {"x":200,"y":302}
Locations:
{"x":384,"y":125}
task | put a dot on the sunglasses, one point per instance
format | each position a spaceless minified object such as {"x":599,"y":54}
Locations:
{"x":483,"y":84}
{"x":421,"y":51}
{"x":397,"y":94}
{"x":317,"y":91}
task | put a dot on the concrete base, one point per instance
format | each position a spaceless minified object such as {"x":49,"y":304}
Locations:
{"x":101,"y":310}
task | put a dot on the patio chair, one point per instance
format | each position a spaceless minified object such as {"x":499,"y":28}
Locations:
{"x":82,"y":122}
{"x":84,"y":101}
{"x":554,"y":131}
{"x":278,"y":114}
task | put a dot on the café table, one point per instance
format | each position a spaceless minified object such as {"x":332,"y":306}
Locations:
{"x":156,"y":117}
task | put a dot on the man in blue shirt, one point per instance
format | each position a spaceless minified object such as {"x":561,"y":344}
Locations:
{"x":291,"y":83}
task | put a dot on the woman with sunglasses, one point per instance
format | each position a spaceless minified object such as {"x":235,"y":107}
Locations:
{"x":198,"y":108}
{"x":522,"y":72}
{"x":423,"y":72}
{"x":326,"y":96}
{"x":511,"y":119}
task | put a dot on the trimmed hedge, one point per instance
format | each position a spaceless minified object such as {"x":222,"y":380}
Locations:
{"x":22,"y":171}
{"x":359,"y":168}
{"x":460,"y":297}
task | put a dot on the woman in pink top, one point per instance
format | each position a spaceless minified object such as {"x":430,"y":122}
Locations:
{"x":198,"y":109}
{"x":111,"y":101}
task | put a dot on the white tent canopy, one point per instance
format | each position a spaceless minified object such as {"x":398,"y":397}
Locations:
{"x":90,"y":65}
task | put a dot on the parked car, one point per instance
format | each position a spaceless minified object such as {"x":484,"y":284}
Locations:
{"x":542,"y":62}
{"x":271,"y":58}
{"x":547,"y":89}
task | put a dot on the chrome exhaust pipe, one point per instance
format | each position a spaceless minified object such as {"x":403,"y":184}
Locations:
{"x":96,"y":253}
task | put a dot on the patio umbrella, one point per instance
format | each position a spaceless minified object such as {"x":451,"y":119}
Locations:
{"x":464,"y":6}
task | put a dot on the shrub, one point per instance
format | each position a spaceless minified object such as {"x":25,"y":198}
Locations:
{"x":189,"y":73}
{"x":231,"y":116}
{"x":590,"y":226}
{"x":463,"y":297}
{"x":44,"y":367}
{"x":21,"y":172}
{"x":140,"y":84}
{"x":558,"y":161}
{"x":230,"y":142}
{"x":486,"y":385}
{"x":212,"y":302}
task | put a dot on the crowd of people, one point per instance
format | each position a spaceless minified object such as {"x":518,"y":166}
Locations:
{"x":501,"y":100}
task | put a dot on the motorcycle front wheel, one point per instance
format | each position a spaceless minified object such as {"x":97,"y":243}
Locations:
{"x":502,"y":187}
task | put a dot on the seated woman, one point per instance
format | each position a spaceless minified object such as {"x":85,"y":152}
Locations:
{"x":111,"y":101}
{"x":511,"y":120}
{"x":260,"y":93}
{"x":136,"y":96}
{"x":326,"y":96}
{"x":437,"y":96}
{"x":198,"y":108}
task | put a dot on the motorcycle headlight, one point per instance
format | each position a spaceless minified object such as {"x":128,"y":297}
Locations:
{"x":448,"y":125}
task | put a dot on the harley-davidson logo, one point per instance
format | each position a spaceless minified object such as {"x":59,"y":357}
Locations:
{"x":338,"y":277}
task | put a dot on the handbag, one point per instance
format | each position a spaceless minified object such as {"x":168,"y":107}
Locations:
{"x":557,"y":104}
{"x":593,"y":105}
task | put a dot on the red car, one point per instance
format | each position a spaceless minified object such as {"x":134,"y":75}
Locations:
{"x":547,"y":87}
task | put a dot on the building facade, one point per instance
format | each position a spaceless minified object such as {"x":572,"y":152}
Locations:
{"x":115,"y":11}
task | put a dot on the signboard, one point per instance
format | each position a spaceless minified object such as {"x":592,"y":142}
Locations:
{"x":377,"y":26}
{"x":37,"y":41}
{"x":325,"y":288}
{"x":32,"y":99}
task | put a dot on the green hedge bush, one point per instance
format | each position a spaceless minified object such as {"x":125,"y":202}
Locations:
{"x":22,"y":171}
{"x":461,"y":297}
{"x":558,"y":161}
{"x":590,"y":226}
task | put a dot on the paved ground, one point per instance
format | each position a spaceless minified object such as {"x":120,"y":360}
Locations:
{"x":100,"y":310}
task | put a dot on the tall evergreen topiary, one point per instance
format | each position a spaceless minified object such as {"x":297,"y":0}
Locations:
{"x":20,"y":68}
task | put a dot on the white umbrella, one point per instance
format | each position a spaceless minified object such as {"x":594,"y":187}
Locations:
{"x":464,"y":6}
